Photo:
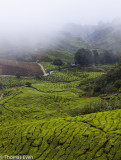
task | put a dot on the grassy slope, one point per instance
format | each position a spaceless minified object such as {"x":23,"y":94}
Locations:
{"x":36,"y":122}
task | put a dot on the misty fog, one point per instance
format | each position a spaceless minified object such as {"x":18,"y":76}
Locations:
{"x":28,"y":24}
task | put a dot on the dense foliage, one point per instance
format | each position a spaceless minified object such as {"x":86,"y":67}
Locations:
{"x":83,"y":57}
{"x":86,"y":57}
{"x":110,"y":82}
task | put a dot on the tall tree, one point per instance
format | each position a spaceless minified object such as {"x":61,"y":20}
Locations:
{"x":95,"y":57}
{"x":83,"y":57}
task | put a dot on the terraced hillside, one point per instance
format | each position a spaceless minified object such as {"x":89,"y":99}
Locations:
{"x":38,"y":121}
{"x":28,"y":128}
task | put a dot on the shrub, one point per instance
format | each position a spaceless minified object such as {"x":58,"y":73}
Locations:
{"x":28,"y":84}
{"x":1,"y":85}
{"x":58,"y":62}
{"x":110,"y":88}
{"x":38,"y":77}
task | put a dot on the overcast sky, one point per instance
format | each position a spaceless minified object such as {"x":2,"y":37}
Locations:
{"x":52,"y":14}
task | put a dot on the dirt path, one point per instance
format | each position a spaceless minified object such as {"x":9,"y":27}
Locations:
{"x":43,"y":70}
{"x":1,"y":96}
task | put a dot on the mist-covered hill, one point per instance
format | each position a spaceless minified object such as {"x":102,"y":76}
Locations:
{"x":108,"y":37}
{"x":101,"y":36}
{"x":104,"y":36}
{"x":66,"y":41}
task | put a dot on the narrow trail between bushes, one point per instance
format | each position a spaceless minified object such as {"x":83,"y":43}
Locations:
{"x":1,"y":96}
{"x":43,"y":70}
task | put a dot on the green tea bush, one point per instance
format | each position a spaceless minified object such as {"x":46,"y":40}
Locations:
{"x":8,"y":82}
